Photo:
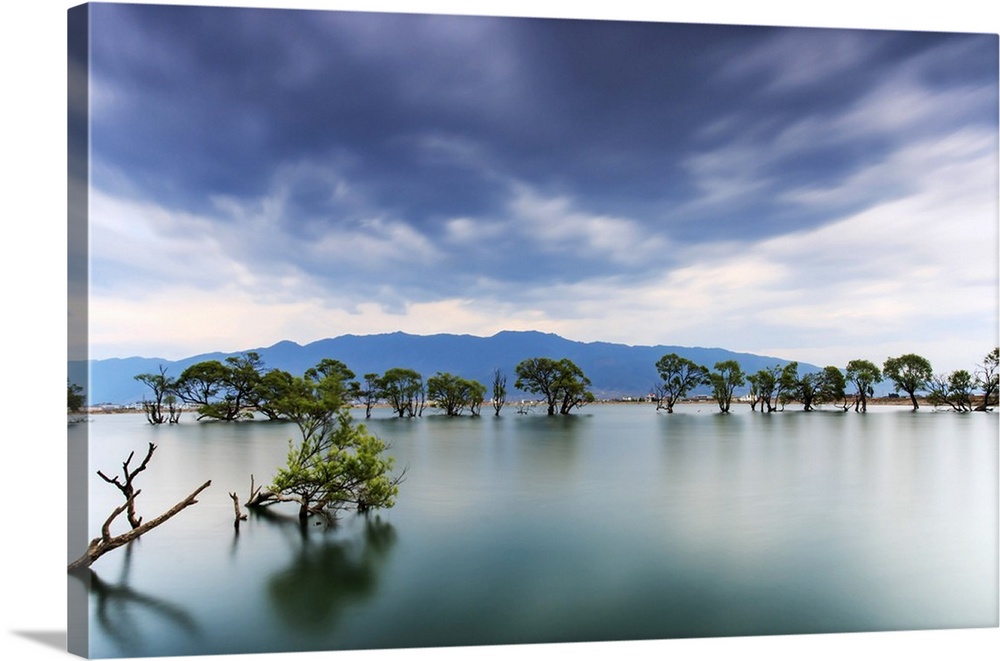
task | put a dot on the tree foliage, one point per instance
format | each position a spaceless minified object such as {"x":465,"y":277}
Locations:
{"x":270,"y":390}
{"x":222,"y":390}
{"x":561,"y":383}
{"x":725,"y":379}
{"x":763,"y":386}
{"x":864,"y":374}
{"x":679,"y":376}
{"x":337,"y":464}
{"x":404,"y":391}
{"x":370,"y":394}
{"x":909,"y":373}
{"x":74,"y":397}
{"x":817,"y":388}
{"x":455,"y":394}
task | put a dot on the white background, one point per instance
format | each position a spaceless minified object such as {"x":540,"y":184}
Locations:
{"x":33,"y":325}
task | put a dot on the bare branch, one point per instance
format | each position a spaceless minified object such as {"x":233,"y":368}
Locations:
{"x":240,"y":516}
{"x":101,"y":545}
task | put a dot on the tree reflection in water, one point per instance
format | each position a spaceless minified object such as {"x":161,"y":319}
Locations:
{"x":327,"y":575}
{"x":120,"y":610}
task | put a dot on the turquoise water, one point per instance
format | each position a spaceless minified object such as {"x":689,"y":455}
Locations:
{"x":611,"y":524}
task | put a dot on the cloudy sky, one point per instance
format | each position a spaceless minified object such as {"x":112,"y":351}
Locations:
{"x":813,"y":194}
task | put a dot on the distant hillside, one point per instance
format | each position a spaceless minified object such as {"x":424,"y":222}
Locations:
{"x":615,"y":370}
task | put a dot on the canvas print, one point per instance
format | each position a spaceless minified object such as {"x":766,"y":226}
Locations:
{"x":401,"y":330}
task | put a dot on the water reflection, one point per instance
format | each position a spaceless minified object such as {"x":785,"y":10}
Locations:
{"x":127,"y":616}
{"x":325,"y":576}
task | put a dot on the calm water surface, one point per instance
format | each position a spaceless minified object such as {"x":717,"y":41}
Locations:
{"x":615,"y":523}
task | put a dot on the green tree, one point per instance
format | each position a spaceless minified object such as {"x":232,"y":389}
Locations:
{"x":270,"y":390}
{"x":328,"y":367}
{"x":476,"y":395}
{"x":831,"y":387}
{"x":561,"y":382}
{"x":788,"y":385}
{"x":240,"y":380}
{"x":727,"y":377}
{"x":336,"y":464}
{"x":955,"y":390}
{"x":572,"y":387}
{"x":988,"y":379}
{"x":764,"y":385}
{"x":864,"y":374}
{"x":815,"y":388}
{"x":222,"y":391}
{"x":909,"y":373}
{"x":404,"y":390}
{"x":454,"y":394}
{"x":199,"y":385}
{"x":680,"y":376}
{"x":370,"y":394}
{"x":74,"y":397}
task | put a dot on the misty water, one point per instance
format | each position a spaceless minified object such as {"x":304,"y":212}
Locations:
{"x":615,"y":523}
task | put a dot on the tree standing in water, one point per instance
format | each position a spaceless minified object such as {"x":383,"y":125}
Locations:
{"x":864,"y":375}
{"x":909,"y":373}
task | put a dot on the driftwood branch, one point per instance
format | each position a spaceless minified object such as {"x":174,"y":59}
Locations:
{"x":106,"y":542}
{"x":260,"y":497}
{"x":240,"y":516}
{"x":128,"y":488}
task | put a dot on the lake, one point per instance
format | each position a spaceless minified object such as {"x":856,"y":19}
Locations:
{"x":615,"y":523}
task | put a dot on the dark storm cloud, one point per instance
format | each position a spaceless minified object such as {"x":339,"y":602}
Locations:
{"x":411,"y":158}
{"x":428,"y":116}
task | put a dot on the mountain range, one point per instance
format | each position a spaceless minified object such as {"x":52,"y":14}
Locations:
{"x":615,"y":370}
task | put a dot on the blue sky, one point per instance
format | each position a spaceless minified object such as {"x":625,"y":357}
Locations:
{"x":814,"y":194}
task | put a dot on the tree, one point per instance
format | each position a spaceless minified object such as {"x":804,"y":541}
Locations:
{"x":764,"y":384}
{"x":806,"y":389}
{"x":499,"y":390}
{"x":561,"y":382}
{"x":817,"y":388}
{"x":454,"y":394}
{"x":680,"y":376}
{"x":222,"y":391}
{"x":336,"y":464}
{"x":864,"y":375}
{"x":240,"y":380}
{"x":162,"y":387}
{"x":955,"y":390}
{"x":988,"y":379}
{"x":270,"y":390}
{"x":199,"y":385}
{"x":74,"y":397}
{"x":476,"y":395}
{"x":539,"y":377}
{"x":909,"y":373}
{"x":328,"y":367}
{"x":788,"y":384}
{"x":727,"y":377}
{"x":404,"y":390}
{"x":831,"y":387}
{"x":370,"y":394}
{"x":572,"y":387}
